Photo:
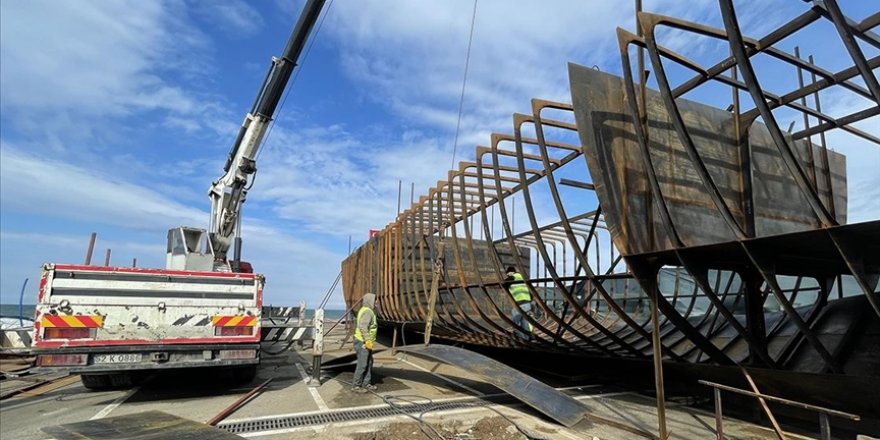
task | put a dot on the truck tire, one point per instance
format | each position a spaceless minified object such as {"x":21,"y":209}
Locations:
{"x":244,"y":374}
{"x":95,"y":382}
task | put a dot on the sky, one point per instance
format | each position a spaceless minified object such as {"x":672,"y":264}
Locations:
{"x":116,"y":116}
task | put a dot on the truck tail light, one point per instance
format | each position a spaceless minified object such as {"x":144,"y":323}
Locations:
{"x":69,"y":333}
{"x":233,"y":331}
{"x":52,"y":360}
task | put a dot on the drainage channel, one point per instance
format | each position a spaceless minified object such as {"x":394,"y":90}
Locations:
{"x":364,"y":413}
{"x":324,"y":418}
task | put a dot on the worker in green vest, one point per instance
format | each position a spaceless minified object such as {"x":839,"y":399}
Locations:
{"x":523,"y":298}
{"x":366,"y":327}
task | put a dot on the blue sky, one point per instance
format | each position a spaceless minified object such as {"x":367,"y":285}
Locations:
{"x":115,"y":116}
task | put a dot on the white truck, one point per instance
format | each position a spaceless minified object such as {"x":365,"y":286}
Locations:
{"x":202,"y":310}
{"x":106,"y":322}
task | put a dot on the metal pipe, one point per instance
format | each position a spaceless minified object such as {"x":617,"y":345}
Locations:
{"x":237,"y":404}
{"x":824,"y":427}
{"x":91,"y":248}
{"x":789,"y":402}
{"x":823,"y":147}
{"x":719,"y":428}
{"x":809,"y":141}
{"x":658,"y":366}
{"x":776,"y":428}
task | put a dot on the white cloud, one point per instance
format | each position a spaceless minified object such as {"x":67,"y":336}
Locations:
{"x":337,"y":183}
{"x":72,"y":71}
{"x":411,"y":55}
{"x":519,"y":51}
{"x":76,"y":79}
{"x":416,"y":65}
{"x":296,"y":267}
{"x":237,"y":18}
{"x":41,"y":186}
{"x":87,"y":56}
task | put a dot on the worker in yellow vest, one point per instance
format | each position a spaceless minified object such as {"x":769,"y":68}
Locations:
{"x":523,"y":297}
{"x":366,"y":327}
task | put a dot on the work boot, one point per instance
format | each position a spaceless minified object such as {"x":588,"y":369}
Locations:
{"x":370,"y":387}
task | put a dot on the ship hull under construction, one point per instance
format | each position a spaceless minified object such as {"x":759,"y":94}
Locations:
{"x":709,"y":237}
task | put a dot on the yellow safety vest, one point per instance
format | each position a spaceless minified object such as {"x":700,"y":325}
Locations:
{"x":519,"y":290}
{"x":374,"y":326}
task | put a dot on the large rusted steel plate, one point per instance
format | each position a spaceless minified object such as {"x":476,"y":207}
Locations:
{"x":416,"y":264}
{"x":555,"y":404}
{"x":150,"y":425}
{"x":618,"y":170}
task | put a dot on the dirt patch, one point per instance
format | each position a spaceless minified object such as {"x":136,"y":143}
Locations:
{"x":496,"y":428}
{"x":488,"y":428}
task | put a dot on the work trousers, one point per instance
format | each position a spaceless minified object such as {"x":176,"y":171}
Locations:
{"x":524,"y":329}
{"x":364,"y":365}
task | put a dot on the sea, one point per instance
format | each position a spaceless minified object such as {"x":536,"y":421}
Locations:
{"x":27,"y":311}
{"x":11,"y":310}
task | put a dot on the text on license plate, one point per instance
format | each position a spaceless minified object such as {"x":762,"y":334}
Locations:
{"x":122,"y":358}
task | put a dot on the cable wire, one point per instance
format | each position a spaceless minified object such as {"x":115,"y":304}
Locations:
{"x":330,"y":291}
{"x":467,"y":61}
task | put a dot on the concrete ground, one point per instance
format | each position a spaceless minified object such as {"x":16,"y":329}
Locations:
{"x":200,"y":395}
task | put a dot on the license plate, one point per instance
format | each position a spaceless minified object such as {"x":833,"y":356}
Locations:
{"x":126,"y":358}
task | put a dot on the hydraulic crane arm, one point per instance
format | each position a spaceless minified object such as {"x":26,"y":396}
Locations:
{"x":228,"y":193}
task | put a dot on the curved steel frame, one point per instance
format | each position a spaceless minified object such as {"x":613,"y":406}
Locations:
{"x":713,"y":293}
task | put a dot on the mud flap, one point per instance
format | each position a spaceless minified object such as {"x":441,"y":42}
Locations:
{"x":554,"y":404}
{"x":150,"y":425}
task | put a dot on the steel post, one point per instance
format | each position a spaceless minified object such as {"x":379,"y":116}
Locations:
{"x":317,"y":349}
{"x":719,"y":429}
{"x":91,"y":248}
{"x":824,"y":427}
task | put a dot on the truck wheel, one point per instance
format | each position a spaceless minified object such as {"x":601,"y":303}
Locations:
{"x":96,"y":382}
{"x":244,"y":374}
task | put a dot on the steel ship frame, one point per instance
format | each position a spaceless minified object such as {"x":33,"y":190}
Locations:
{"x":657,"y":227}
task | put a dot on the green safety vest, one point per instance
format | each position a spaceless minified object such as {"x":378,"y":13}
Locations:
{"x":519,"y":290}
{"x":374,"y":326}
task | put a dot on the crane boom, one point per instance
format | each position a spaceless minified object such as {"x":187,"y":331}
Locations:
{"x":228,"y":193}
